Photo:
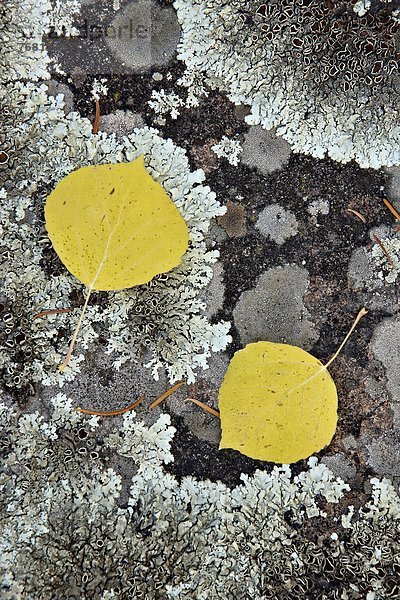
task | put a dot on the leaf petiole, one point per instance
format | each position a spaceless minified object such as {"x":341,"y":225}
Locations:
{"x":77,"y":329}
{"x":360,"y":315}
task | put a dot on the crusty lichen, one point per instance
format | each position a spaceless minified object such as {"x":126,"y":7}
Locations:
{"x":166,"y":316}
{"x":324,"y":75}
{"x":88,"y":509}
{"x":66,"y":534}
{"x":228,"y":148}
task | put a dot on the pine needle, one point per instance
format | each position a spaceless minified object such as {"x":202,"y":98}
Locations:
{"x":210,"y":410}
{"x":166,"y":394}
{"x":358,"y":214}
{"x":96,"y":122}
{"x":52,"y":311}
{"x":110,"y":413}
{"x":392,"y":209}
{"x":385,"y":252}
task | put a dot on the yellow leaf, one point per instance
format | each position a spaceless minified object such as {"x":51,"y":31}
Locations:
{"x":277,"y":403}
{"x":114,"y":227}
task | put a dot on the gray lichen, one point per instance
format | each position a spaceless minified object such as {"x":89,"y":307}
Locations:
{"x":121,"y":123}
{"x":65,"y":534}
{"x":384,"y":344}
{"x":150,"y":34}
{"x":44,"y":144}
{"x":274,"y":310}
{"x":277,"y":223}
{"x":325,"y":77}
{"x":264,"y":151}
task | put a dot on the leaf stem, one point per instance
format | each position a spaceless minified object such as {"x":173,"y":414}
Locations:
{"x":338,"y":351}
{"x":77,"y":329}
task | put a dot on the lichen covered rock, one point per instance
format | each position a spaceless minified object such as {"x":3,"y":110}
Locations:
{"x":324,"y":75}
{"x":65,"y":532}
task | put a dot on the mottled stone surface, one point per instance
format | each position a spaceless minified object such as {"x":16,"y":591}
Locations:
{"x":270,"y":284}
{"x":121,"y":123}
{"x":274,"y":310}
{"x":289,"y":263}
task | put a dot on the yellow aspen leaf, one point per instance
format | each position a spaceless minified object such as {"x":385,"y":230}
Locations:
{"x":114,"y":227}
{"x":277,"y":403}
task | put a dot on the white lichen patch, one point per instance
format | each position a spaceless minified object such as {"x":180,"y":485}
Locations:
{"x":325,"y":77}
{"x":99,"y":88}
{"x":361,"y":7}
{"x":164,"y":103}
{"x":65,"y":532}
{"x":193,"y":81}
{"x":318,"y":207}
{"x":165,"y":316}
{"x":377,"y":265}
{"x":229,"y":149}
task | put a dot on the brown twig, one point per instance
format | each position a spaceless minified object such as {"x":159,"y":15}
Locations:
{"x":96,"y":122}
{"x":52,"y":311}
{"x":392,"y":209}
{"x":166,"y":394}
{"x":210,"y":410}
{"x":110,"y":413}
{"x":358,"y":214}
{"x":386,"y":253}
